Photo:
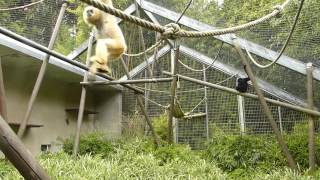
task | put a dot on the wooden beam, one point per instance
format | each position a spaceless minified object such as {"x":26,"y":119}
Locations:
{"x":232,"y":71}
{"x":19,"y":155}
{"x":134,"y":81}
{"x":265,"y":108}
{"x":252,"y":96}
{"x":254,"y":48}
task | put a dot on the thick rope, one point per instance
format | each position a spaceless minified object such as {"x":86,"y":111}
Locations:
{"x":284,"y":46}
{"x":177,"y":31}
{"x":22,"y":7}
{"x":157,"y":44}
{"x":204,"y":69}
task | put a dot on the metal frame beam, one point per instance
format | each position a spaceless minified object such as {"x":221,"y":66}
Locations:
{"x":254,"y":48}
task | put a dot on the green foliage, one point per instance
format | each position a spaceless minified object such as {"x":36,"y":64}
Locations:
{"x":160,"y":125}
{"x":94,"y":143}
{"x":297,"y":142}
{"x":239,"y":154}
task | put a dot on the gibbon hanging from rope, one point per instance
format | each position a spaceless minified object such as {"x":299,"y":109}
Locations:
{"x":110,"y":40}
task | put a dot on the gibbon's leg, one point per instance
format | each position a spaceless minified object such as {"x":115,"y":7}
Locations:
{"x":115,"y":47}
{"x":100,"y":59}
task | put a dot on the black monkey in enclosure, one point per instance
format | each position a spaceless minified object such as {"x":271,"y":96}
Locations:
{"x":242,"y":83}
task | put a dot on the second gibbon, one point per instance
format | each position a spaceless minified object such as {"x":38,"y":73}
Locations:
{"x":110,"y":40}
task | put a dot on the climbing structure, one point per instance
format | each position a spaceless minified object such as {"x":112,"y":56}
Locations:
{"x":188,"y":69}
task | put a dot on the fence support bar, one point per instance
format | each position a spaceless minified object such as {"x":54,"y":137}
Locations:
{"x":82,"y":99}
{"x":252,"y":96}
{"x":311,"y":132}
{"x":135,"y":81}
{"x":35,"y":91}
{"x":265,"y":108}
{"x":3,"y":102}
{"x":173,"y":91}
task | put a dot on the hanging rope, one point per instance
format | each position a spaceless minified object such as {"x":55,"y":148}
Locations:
{"x":173,"y":30}
{"x":157,"y":44}
{"x":158,"y":104}
{"x":284,"y":46}
{"x":22,"y":7}
{"x":202,"y":70}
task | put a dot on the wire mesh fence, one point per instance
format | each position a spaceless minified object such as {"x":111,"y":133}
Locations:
{"x":226,"y":111}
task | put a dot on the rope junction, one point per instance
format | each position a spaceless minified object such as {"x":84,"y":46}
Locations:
{"x":173,"y":30}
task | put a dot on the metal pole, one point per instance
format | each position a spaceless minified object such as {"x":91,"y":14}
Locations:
{"x":265,"y":108}
{"x":135,"y":81}
{"x":3,"y":102}
{"x":82,"y":99}
{"x":206,"y":105}
{"x":143,"y":109}
{"x":280,"y":119}
{"x":19,"y":155}
{"x":252,"y":96}
{"x":311,"y":132}
{"x":41,"y":74}
{"x":173,"y":91}
{"x":57,"y":55}
{"x":241,"y":112}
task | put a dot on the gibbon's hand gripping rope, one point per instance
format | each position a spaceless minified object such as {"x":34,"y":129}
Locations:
{"x":284,"y":46}
{"x":173,"y":30}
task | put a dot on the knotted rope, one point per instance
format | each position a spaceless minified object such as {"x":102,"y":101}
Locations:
{"x":173,"y":31}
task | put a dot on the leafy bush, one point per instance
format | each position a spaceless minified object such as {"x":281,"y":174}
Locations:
{"x":128,"y":161}
{"x":160,"y":125}
{"x":93,"y":143}
{"x":297,"y":142}
{"x":239,"y":154}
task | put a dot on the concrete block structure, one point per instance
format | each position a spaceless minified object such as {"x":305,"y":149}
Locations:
{"x":54,"y":115}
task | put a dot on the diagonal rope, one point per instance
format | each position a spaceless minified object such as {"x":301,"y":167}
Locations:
{"x":157,"y":44}
{"x":202,"y":70}
{"x":22,"y":7}
{"x":180,"y":32}
{"x":284,"y":46}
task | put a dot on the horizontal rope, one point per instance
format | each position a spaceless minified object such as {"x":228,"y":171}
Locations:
{"x":171,"y":30}
{"x":22,"y":7}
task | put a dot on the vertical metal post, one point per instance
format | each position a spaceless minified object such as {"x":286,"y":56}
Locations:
{"x":173,"y":91}
{"x":206,"y":98}
{"x":174,"y":120}
{"x":280,"y":119}
{"x":143,"y":109}
{"x":241,"y":112}
{"x":3,"y":102}
{"x":265,"y":108}
{"x":82,"y":98}
{"x":311,"y":132}
{"x":42,"y":71}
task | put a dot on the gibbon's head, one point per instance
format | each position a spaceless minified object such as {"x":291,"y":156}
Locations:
{"x":92,"y":15}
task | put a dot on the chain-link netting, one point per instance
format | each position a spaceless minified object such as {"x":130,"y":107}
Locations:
{"x":226,"y":111}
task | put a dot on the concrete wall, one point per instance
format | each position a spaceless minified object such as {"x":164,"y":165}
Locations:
{"x":57,"y":94}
